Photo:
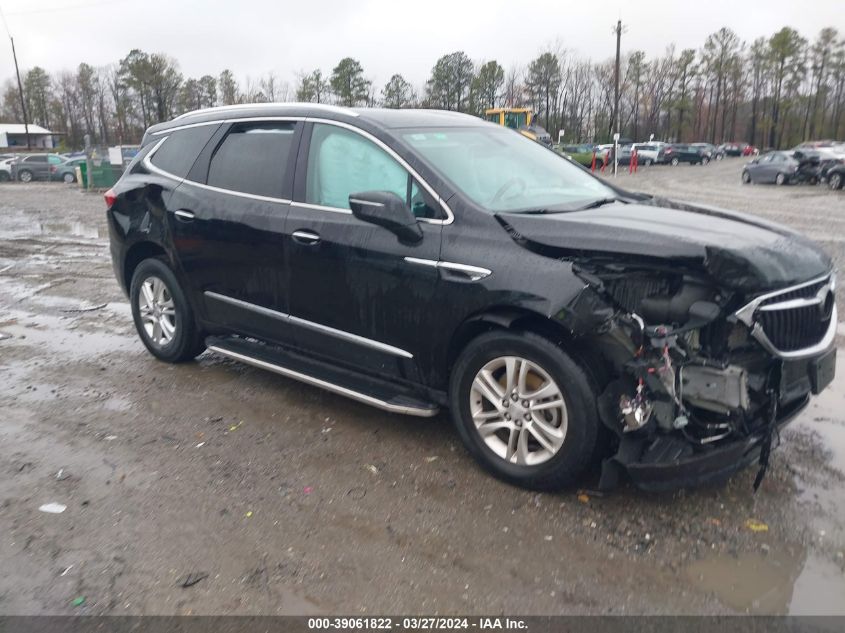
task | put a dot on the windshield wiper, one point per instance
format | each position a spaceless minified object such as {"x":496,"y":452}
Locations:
{"x":600,"y":203}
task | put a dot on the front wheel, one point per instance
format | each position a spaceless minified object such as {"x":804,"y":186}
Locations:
{"x":705,"y":160}
{"x":746,"y":178}
{"x":647,"y":162}
{"x":835,"y":181}
{"x":780,"y":179}
{"x":163,"y":317}
{"x":68,"y":178}
{"x":524,"y":409}
{"x":674,"y":162}
{"x":25,"y":175}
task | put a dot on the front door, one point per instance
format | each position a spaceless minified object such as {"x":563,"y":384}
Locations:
{"x":354,"y":296}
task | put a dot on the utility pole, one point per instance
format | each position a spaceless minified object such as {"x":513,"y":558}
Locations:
{"x":20,"y":92}
{"x":617,"y":115}
{"x":20,"y":85}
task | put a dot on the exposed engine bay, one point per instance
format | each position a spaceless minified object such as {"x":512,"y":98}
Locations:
{"x":689,"y":376}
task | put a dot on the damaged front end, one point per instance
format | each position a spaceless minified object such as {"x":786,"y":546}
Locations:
{"x":701,"y":376}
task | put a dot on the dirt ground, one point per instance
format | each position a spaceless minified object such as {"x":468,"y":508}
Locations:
{"x":280,"y":498}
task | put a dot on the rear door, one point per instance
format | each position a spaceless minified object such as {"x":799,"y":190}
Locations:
{"x":228,"y":218}
{"x":354,"y":296}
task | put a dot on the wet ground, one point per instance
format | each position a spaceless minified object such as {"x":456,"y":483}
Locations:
{"x":267,"y":496}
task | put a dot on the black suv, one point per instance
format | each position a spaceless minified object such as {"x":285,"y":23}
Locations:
{"x":681,"y":153}
{"x":415,"y":260}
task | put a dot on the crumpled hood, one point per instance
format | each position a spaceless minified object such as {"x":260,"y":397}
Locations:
{"x":739,"y":251}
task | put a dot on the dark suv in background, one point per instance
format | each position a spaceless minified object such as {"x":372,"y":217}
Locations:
{"x":415,"y":260}
{"x":677,"y":153}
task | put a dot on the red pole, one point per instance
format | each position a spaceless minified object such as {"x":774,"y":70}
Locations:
{"x":604,"y":161}
{"x":636,"y":160}
{"x":593,"y":166}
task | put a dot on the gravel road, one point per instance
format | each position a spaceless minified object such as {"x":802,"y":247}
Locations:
{"x":278,"y":498}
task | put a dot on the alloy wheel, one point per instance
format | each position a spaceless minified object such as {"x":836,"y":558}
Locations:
{"x":157,"y":310}
{"x":25,"y":176}
{"x":835,"y":181}
{"x":68,"y":178}
{"x":518,"y":410}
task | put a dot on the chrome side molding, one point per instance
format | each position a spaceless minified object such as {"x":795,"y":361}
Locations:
{"x":317,"y":327}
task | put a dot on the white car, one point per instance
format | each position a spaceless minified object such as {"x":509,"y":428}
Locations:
{"x":6,"y":167}
{"x":647,"y":152}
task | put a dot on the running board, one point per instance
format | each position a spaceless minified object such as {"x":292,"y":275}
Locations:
{"x":371,"y":391}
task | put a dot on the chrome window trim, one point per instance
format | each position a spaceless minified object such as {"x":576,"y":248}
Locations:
{"x":367,"y":202}
{"x":450,"y":217}
{"x":320,"y":207}
{"x":311,"y":325}
{"x":329,"y":386}
{"x":746,"y":315}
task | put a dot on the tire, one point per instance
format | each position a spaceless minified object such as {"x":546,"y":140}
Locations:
{"x":647,"y":162}
{"x":705,"y":160}
{"x":746,"y":178}
{"x":68,"y":178}
{"x":780,"y":179}
{"x":541,"y":468}
{"x":674,"y":162}
{"x":835,"y":181}
{"x":165,"y":303}
{"x":24,"y":175}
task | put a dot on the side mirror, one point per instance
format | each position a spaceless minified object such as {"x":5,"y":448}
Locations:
{"x":386,"y":209}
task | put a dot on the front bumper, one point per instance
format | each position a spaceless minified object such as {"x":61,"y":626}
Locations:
{"x":711,"y":467}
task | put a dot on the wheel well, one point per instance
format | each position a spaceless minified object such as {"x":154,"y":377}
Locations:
{"x":138,"y":253}
{"x":515,"y":320}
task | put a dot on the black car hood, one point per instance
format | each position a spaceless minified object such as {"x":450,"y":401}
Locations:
{"x":738,"y":251}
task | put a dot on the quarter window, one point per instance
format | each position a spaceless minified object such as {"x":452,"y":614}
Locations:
{"x":177,"y":154}
{"x":341,"y":162}
{"x":253,"y":158}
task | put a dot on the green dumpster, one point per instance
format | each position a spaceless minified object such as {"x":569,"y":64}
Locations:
{"x":104,"y":175}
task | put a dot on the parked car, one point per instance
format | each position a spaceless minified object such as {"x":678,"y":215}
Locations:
{"x":582,"y":153}
{"x":6,"y":166}
{"x":677,"y":153}
{"x":734,"y":149}
{"x":711,"y":151}
{"x":35,"y":167}
{"x":647,"y":153}
{"x":750,"y":150}
{"x":826,"y":166}
{"x":836,"y":177}
{"x":416,"y":259}
{"x":66,"y":171}
{"x":775,"y":167}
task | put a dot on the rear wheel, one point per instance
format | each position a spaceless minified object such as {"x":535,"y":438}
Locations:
{"x":835,"y":181}
{"x":524,"y":409}
{"x":746,"y":178}
{"x":68,"y":178}
{"x":674,"y":162}
{"x":163,"y":317}
{"x":780,"y":179}
{"x":705,"y":160}
{"x":25,"y":175}
{"x":647,"y":162}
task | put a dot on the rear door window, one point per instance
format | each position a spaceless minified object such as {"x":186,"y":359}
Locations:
{"x":253,"y":158}
{"x":177,"y":154}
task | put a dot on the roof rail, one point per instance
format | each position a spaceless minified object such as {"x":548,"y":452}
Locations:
{"x":265,"y":106}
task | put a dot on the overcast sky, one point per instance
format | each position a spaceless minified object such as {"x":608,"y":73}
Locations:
{"x":387,"y":36}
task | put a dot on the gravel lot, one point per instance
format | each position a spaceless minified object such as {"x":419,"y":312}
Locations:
{"x":281,"y":498}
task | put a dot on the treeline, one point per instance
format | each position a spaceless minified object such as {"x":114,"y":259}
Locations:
{"x":773,"y":92}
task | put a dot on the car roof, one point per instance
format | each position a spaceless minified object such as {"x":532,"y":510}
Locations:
{"x":381,"y":117}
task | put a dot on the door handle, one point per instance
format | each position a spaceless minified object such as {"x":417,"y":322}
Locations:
{"x":306,"y":237}
{"x":184,"y":215}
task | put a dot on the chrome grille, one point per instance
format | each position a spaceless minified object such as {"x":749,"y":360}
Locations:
{"x":794,"y":322}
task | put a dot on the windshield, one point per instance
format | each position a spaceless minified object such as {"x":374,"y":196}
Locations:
{"x":501,"y":170}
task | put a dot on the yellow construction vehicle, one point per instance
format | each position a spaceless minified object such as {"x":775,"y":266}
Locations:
{"x":521,"y":120}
